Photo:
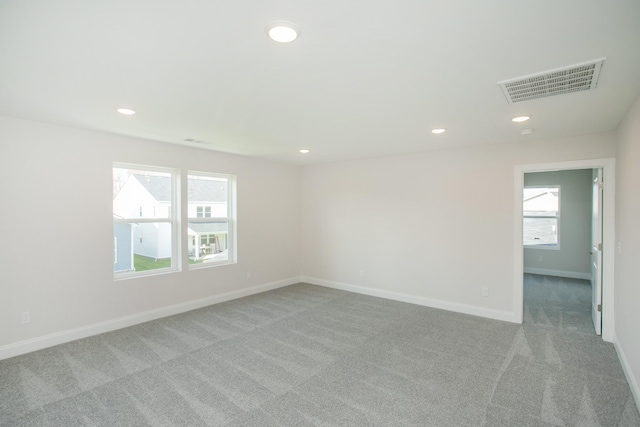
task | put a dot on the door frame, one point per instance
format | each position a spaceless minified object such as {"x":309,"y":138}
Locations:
{"x":595,"y":260}
{"x":608,"y":234}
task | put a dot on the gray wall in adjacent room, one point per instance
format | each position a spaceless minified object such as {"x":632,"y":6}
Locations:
{"x":573,"y":258}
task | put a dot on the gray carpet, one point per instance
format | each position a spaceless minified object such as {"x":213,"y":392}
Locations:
{"x":307,"y":355}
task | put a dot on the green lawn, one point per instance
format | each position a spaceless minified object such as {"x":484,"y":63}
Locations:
{"x":143,"y":263}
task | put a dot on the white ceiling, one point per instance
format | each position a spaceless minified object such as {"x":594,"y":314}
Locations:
{"x":364,"y":78}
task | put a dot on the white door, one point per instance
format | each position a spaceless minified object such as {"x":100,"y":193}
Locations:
{"x":596,"y":252}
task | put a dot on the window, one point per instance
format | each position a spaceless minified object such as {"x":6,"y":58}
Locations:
{"x":541,"y":215}
{"x":144,"y":204}
{"x":203,"y":211}
{"x":210,"y":223}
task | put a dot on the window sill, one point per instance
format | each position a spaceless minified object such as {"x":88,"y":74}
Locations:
{"x":210,"y":264}
{"x":147,"y":273}
{"x":543,"y":247}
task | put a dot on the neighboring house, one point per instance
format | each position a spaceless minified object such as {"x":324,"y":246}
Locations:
{"x":207,"y":199}
{"x":206,"y":239}
{"x":149,"y":196}
{"x":123,"y":247}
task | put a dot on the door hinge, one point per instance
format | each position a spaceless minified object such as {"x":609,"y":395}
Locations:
{"x":600,"y":186}
{"x":600,"y":247}
{"x":599,"y":308}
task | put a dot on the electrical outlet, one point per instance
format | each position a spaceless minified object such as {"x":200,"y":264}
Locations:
{"x":25,"y":318}
{"x":485,"y":292}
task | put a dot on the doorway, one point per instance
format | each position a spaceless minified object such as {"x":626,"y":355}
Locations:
{"x":608,"y":238}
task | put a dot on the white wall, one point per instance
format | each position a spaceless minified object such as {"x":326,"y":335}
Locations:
{"x":572,"y":259}
{"x":57,"y":263}
{"x":627,"y":295}
{"x":435,"y":227}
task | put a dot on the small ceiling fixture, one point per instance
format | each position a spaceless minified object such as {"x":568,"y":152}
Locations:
{"x":520,"y":119}
{"x":126,"y":111}
{"x":526,"y":131}
{"x":282,"y":31}
{"x":305,"y":151}
{"x":438,"y":130}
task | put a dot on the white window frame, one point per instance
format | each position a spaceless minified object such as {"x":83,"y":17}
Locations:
{"x":230,"y":219}
{"x":555,"y":247}
{"x":173,"y":220}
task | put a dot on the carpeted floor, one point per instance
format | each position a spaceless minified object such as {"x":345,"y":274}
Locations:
{"x":307,"y":355}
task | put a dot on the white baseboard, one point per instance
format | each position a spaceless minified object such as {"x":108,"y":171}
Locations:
{"x":557,"y":273}
{"x":46,"y":341}
{"x":633,"y":384}
{"x":427,"y":302}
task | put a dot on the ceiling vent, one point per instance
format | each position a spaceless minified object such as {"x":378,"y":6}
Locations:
{"x":555,"y":82}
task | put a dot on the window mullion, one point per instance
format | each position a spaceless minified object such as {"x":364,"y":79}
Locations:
{"x":141,"y":220}
{"x":208,"y":220}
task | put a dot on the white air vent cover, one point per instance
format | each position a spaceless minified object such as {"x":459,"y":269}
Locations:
{"x":555,"y":82}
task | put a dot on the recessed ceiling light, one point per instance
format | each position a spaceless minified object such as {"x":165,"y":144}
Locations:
{"x":305,"y":151}
{"x":126,"y":111}
{"x":520,"y":119}
{"x":526,"y":131}
{"x":438,"y":130}
{"x":282,"y":31}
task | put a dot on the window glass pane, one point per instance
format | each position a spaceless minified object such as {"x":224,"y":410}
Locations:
{"x":212,"y":239}
{"x":141,"y":246}
{"x":141,"y":194}
{"x":541,"y":201}
{"x":540,"y":231}
{"x":207,"y":196}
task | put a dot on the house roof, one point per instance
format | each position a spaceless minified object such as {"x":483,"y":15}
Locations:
{"x":200,"y":190}
{"x":158,"y":186}
{"x":534,"y":193}
{"x":207,"y":228}
{"x":207,"y":190}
